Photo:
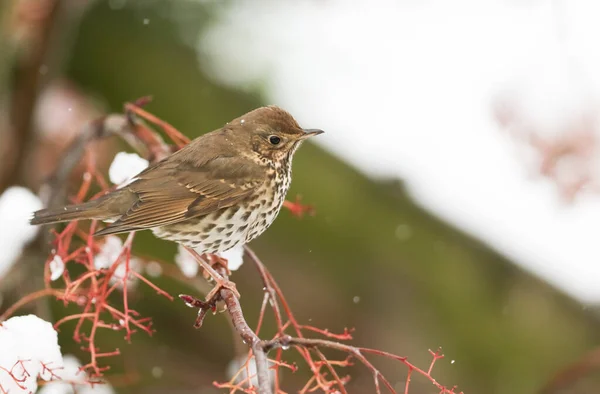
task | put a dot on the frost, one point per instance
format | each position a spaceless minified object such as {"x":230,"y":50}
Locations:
{"x":57,"y":267}
{"x":29,"y":351}
{"x":125,"y":167}
{"x":109,"y":252}
{"x":186,"y":262}
{"x":234,"y":257}
{"x":16,"y":206}
{"x":72,"y":376}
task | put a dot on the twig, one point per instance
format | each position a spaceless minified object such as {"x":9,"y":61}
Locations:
{"x":238,"y":321}
{"x":124,"y":126}
{"x":27,"y":299}
{"x":325,"y":377}
{"x":260,"y":348}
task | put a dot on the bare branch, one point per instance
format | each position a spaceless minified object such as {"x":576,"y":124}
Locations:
{"x":95,"y":285}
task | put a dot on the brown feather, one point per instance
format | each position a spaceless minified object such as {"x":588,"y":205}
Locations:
{"x":236,"y":165}
{"x":173,"y":191}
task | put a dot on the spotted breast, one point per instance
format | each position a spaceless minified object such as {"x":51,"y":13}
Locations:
{"x":237,"y":225}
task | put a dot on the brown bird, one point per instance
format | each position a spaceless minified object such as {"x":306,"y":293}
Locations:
{"x":221,"y":190}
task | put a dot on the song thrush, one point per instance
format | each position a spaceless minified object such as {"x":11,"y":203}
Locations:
{"x":223,"y":189}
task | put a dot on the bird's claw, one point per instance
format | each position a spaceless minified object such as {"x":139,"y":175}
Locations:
{"x":217,"y":261}
{"x":220,"y":285}
{"x":211,"y":300}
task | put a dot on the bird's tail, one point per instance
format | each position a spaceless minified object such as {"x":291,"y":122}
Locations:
{"x":87,"y":210}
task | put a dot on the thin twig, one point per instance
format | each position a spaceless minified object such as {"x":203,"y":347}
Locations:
{"x":27,"y":299}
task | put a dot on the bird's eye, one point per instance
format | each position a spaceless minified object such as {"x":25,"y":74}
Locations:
{"x":274,"y":140}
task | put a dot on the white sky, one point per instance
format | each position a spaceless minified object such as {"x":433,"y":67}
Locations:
{"x":404,"y":88}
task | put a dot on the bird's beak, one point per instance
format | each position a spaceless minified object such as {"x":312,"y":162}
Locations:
{"x":310,"y":132}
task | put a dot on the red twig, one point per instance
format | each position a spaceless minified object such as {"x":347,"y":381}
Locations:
{"x":91,"y":291}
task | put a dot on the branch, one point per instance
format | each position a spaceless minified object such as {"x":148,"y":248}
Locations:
{"x":126,"y":126}
{"x":260,"y":348}
{"x":250,"y":338}
{"x":325,"y":377}
{"x":27,"y":81}
{"x":238,"y":321}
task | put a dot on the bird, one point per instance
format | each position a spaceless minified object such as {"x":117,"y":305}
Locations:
{"x":222,"y":190}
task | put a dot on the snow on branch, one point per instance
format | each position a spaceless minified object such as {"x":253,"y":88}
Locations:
{"x":28,"y":351}
{"x":16,"y":206}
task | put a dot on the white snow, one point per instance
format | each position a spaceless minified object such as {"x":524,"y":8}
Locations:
{"x":34,"y":342}
{"x":73,"y":381}
{"x":57,"y":267}
{"x":550,"y":93}
{"x":234,"y":257}
{"x":17,"y":205}
{"x":109,"y":252}
{"x":124,"y":167}
{"x":416,"y":84}
{"x":186,"y":262}
{"x":119,"y":274}
{"x":153,"y":269}
{"x":189,"y":266}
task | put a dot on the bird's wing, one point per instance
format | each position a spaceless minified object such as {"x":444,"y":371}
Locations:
{"x":170,"y":191}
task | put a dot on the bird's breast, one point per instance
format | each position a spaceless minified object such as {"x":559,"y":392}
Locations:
{"x":222,"y":230}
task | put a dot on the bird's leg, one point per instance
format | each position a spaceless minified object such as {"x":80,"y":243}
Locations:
{"x":217,"y":261}
{"x":218,"y":265}
{"x":220,"y":281}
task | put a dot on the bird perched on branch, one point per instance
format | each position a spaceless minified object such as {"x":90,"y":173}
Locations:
{"x":221,"y":190}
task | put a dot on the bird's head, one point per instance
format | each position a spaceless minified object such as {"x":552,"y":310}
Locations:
{"x":271,"y":133}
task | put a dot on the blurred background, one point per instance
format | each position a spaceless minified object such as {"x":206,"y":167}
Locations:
{"x":456,"y":187}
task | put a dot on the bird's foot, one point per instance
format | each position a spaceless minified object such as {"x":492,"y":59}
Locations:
{"x":211,"y":300}
{"x":217,"y":262}
{"x":219,"y":274}
{"x":221,"y":284}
